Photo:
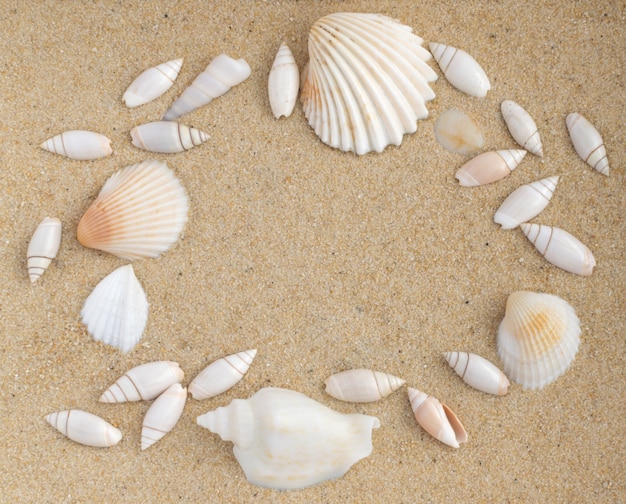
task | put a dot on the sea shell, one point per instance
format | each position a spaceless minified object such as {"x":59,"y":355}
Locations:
{"x":478,"y":372}
{"x":143,"y":382}
{"x":362,"y":385}
{"x":166,"y":137}
{"x":560,"y":248}
{"x":367,"y":81}
{"x":437,"y":419}
{"x":116,"y":311}
{"x":140,"y":212}
{"x":84,"y":428}
{"x":489,"y":167}
{"x":461,"y":70}
{"x":283,"y":83}
{"x":283,"y":439}
{"x":525,"y":202}
{"x":152,"y":83}
{"x":79,"y":144}
{"x":222,"y":74}
{"x":538,"y":338}
{"x":221,"y":375}
{"x":43,"y":247}
{"x":522,"y":127}
{"x":587,"y":142}
{"x":163,"y":415}
{"x":457,"y":132}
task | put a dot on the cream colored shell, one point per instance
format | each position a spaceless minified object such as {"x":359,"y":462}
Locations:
{"x":43,"y":247}
{"x":79,"y":144}
{"x":461,"y":70}
{"x":84,"y":428}
{"x":283,"y":83}
{"x":152,"y":83}
{"x":362,"y":385}
{"x":522,"y":127}
{"x":166,"y":137}
{"x":436,"y":418}
{"x":221,"y":375}
{"x":478,"y":372}
{"x":163,"y":415}
{"x":587,"y":142}
{"x":525,"y":203}
{"x":143,"y":382}
{"x":489,"y":167}
{"x":459,"y":133}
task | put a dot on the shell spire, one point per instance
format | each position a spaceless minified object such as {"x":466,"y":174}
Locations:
{"x":167,"y":137}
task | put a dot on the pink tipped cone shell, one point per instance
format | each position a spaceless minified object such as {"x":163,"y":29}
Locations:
{"x":437,"y":419}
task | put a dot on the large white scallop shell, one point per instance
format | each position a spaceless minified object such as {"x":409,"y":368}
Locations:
{"x":79,"y":144}
{"x":489,"y":167}
{"x":459,"y":133}
{"x":522,"y":127}
{"x":163,"y":415}
{"x":587,"y":142}
{"x":560,"y":248}
{"x":362,"y":385}
{"x":367,"y":81}
{"x":43,"y":247}
{"x":167,"y":137}
{"x":525,"y":202}
{"x":84,"y":428}
{"x":116,"y":311}
{"x":461,"y":70}
{"x":152,"y":83}
{"x":221,"y":375}
{"x":436,"y":418}
{"x":283,"y":83}
{"x":284,"y":439}
{"x":478,"y":372}
{"x":143,"y":382}
{"x":140,"y":212}
{"x":538,"y":338}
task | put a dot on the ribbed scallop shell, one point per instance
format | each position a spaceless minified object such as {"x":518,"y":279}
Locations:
{"x":522,"y":127}
{"x":478,"y":372}
{"x":221,"y":375}
{"x":436,"y":418}
{"x":525,"y":203}
{"x":459,"y":133}
{"x":366,"y":83}
{"x":167,"y":137}
{"x":79,"y":144}
{"x":152,"y":83}
{"x":84,"y":428}
{"x":283,"y":83}
{"x":140,"y":212}
{"x":362,"y":385}
{"x":163,"y":415}
{"x":143,"y":382}
{"x":538,"y":338}
{"x":461,"y":70}
{"x":489,"y":167}
{"x":43,"y":247}
{"x":587,"y":142}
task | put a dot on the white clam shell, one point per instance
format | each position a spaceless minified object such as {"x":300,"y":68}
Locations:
{"x":560,"y":248}
{"x":459,"y":133}
{"x":362,"y":385}
{"x":461,"y":69}
{"x":116,"y":311}
{"x":140,"y":212}
{"x":43,"y":247}
{"x":163,"y":415}
{"x":167,"y":137}
{"x":152,"y":83}
{"x":525,"y":202}
{"x":366,"y":83}
{"x":219,"y":77}
{"x":478,"y":372}
{"x":221,"y":375}
{"x":522,"y":127}
{"x":537,"y":338}
{"x":84,"y":428}
{"x":286,"y":440}
{"x":489,"y":167}
{"x":587,"y":142}
{"x":436,"y":418}
{"x":283,"y":83}
{"x":79,"y":144}
{"x":143,"y":382}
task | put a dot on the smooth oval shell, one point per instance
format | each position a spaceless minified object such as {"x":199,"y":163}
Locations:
{"x":221,"y":375}
{"x":362,"y":385}
{"x":457,"y":132}
{"x":461,"y":70}
{"x":163,"y":415}
{"x":478,"y":372}
{"x":84,"y":428}
{"x":152,"y":83}
{"x":525,"y":203}
{"x":560,"y":248}
{"x":140,"y":212}
{"x":43,"y":247}
{"x":436,"y":418}
{"x":79,"y":144}
{"x":522,"y":127}
{"x":587,"y":142}
{"x":167,"y":137}
{"x":283,"y":83}
{"x":143,"y":382}
{"x":489,"y":167}
{"x":538,"y":338}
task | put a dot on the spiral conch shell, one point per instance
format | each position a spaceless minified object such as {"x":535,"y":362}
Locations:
{"x":362,"y":385}
{"x":286,"y":440}
{"x":84,"y":428}
{"x":79,"y":144}
{"x":437,"y":419}
{"x":152,"y":83}
{"x":43,"y":247}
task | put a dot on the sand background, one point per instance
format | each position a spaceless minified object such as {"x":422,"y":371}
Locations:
{"x":321,"y":260}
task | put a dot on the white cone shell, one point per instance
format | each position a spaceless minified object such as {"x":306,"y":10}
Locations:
{"x":43,"y":247}
{"x":219,"y":77}
{"x":522,"y":127}
{"x":436,"y":418}
{"x":143,"y":382}
{"x":283,"y":83}
{"x":79,"y":144}
{"x":461,"y":70}
{"x":140,"y":212}
{"x":163,"y":415}
{"x":362,"y":385}
{"x":459,"y":133}
{"x":84,"y":428}
{"x":285,"y":440}
{"x":478,"y":372}
{"x":538,"y":338}
{"x":525,"y":203}
{"x":587,"y":142}
{"x":560,"y":248}
{"x":367,"y":81}
{"x":167,"y":137}
{"x":152,"y":83}
{"x":489,"y":167}
{"x":221,"y":375}
{"x":116,"y":311}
